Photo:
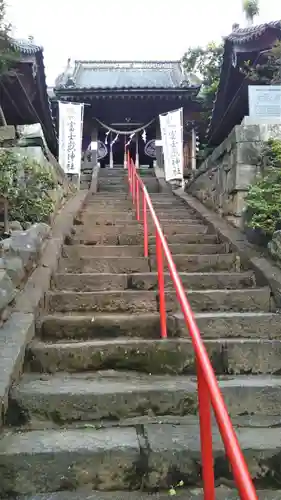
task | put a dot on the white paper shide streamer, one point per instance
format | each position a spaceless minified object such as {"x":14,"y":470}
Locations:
{"x":130,"y":139}
{"x":70,"y":136}
{"x":172,"y":143}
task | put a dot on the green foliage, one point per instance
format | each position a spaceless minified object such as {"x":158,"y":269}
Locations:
{"x":268,"y":70}
{"x":26,"y":185}
{"x":251,"y":9}
{"x":205,"y":62}
{"x":264,"y":197}
{"x":8,"y":54}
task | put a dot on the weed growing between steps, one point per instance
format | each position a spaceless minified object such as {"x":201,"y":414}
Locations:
{"x":173,"y":489}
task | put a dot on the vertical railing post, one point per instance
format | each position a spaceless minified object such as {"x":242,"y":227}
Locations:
{"x":129,"y":172}
{"x":133,"y":184}
{"x":145,"y":229}
{"x":161,"y":286}
{"x":205,"y":418}
{"x":138,"y":198}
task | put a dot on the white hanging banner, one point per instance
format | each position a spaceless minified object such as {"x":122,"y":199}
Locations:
{"x":70,"y":136}
{"x":171,"y":126}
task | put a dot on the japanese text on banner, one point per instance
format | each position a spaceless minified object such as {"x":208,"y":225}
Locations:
{"x":71,"y":116}
{"x":172,"y":141}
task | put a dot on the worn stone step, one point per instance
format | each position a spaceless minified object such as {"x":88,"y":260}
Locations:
{"x":77,"y":251}
{"x":109,"y":189}
{"x":174,"y":356}
{"x":113,"y":197}
{"x":86,"y":325}
{"x":259,"y":325}
{"x":84,"y":185}
{"x":179,"y":228}
{"x":201,"y":263}
{"x":105,"y":265}
{"x":212,"y":325}
{"x":222,"y":493}
{"x":75,"y":458}
{"x":134,"y":227}
{"x":130,"y":218}
{"x":185,"y":263}
{"x":188,"y":238}
{"x":89,"y":237}
{"x":86,"y":177}
{"x":46,"y":461}
{"x":149,"y":281}
{"x":137,"y":301}
{"x":112,"y":395}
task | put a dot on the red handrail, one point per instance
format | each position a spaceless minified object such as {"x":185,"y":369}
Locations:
{"x":209,"y":394}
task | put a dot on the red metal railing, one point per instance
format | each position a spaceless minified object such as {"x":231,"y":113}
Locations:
{"x":209,"y":394}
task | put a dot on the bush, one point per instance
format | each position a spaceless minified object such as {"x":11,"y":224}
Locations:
{"x":25,"y":186}
{"x":263,"y":201}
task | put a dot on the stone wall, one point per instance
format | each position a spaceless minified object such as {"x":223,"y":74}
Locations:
{"x":20,"y":253}
{"x":222,"y":181}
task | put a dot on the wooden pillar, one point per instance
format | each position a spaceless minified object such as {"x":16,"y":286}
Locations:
{"x":137,"y":151}
{"x":110,"y":151}
{"x":125,"y":152}
{"x":94,"y":147}
{"x":158,"y":146}
{"x":193,"y":149}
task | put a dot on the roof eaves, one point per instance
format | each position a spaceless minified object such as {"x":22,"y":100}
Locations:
{"x":26,"y":47}
{"x":109,"y":61}
{"x":191,"y":88}
{"x":242,"y":35}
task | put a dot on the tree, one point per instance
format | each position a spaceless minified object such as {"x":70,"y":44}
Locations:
{"x":8,"y":54}
{"x":251,"y":9}
{"x":205,"y":62}
{"x":268,"y":70}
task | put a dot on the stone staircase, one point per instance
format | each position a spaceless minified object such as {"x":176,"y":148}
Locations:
{"x":86,"y":174}
{"x":104,"y":403}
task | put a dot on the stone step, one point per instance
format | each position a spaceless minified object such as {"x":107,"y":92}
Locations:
{"x":76,"y":251}
{"x":149,"y":281}
{"x":130,"y":218}
{"x":121,"y":210}
{"x":222,"y":493}
{"x":86,"y":325}
{"x":259,"y":325}
{"x":112,"y":458}
{"x":110,"y":189}
{"x":90,"y":237}
{"x":137,"y":301}
{"x":201,"y":263}
{"x":105,"y":265}
{"x":169,"y":229}
{"x":112,"y":395}
{"x":212,"y":325}
{"x":84,"y":185}
{"x":86,"y":177}
{"x":138,"y":250}
{"x":185,"y":263}
{"x":187,"y":238}
{"x":114,"y":197}
{"x":174,"y":356}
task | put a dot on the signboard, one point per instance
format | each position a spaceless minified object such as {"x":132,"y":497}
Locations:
{"x":70,"y":136}
{"x":172,"y":142}
{"x":265,"y":101}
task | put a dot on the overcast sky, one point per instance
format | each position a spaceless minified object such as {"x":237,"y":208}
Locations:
{"x":125,"y":29}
